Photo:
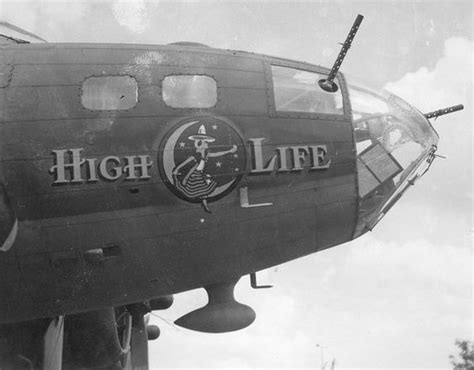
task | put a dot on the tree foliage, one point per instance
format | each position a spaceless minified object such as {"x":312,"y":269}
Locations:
{"x":465,"y":359}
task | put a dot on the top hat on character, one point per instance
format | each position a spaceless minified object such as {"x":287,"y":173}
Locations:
{"x":201,"y":135}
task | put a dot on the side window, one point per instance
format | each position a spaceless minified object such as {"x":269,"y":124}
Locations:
{"x":296,"y":90}
{"x":109,"y":93}
{"x":189,"y":91}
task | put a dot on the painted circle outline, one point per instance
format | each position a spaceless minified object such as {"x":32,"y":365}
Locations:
{"x":164,"y":142}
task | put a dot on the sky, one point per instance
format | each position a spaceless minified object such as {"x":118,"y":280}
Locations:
{"x":396,"y":298}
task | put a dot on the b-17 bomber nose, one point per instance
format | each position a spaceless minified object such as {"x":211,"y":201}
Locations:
{"x":395,"y":146}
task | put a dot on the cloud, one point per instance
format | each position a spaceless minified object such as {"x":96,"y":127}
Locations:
{"x":133,"y":15}
{"x":448,"y":83}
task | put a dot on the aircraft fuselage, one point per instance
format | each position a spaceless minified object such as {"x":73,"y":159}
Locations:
{"x":111,"y":203}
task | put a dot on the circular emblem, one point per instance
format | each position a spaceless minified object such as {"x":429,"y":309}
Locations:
{"x":202,"y":159}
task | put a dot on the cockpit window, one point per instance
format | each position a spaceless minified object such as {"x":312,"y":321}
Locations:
{"x":364,"y":103}
{"x":296,"y":90}
{"x":109,"y":93}
{"x":189,"y":91}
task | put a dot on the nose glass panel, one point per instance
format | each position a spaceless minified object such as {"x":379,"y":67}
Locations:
{"x":393,"y":140}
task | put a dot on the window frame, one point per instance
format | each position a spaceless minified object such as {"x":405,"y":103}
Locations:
{"x":108,"y":76}
{"x":179,"y":73}
{"x":345,"y":116}
{"x":381,"y":182}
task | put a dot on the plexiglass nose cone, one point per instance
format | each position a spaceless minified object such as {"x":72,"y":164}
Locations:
{"x":394,"y":142}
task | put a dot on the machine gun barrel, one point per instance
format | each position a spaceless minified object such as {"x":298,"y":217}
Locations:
{"x":441,"y":112}
{"x":328,"y":83}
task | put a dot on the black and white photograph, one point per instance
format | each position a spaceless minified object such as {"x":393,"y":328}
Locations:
{"x":246,"y":184}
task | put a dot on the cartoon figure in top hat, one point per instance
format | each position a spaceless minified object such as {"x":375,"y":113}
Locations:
{"x":196,"y":183}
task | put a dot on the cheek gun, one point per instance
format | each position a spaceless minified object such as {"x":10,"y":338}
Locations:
{"x":440,"y":112}
{"x":328,"y":83}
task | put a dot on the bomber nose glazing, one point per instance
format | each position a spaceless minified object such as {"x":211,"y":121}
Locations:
{"x":395,"y":145}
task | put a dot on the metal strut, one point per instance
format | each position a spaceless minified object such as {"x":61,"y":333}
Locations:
{"x":254,"y":284}
{"x":328,"y":83}
{"x":441,"y":112}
